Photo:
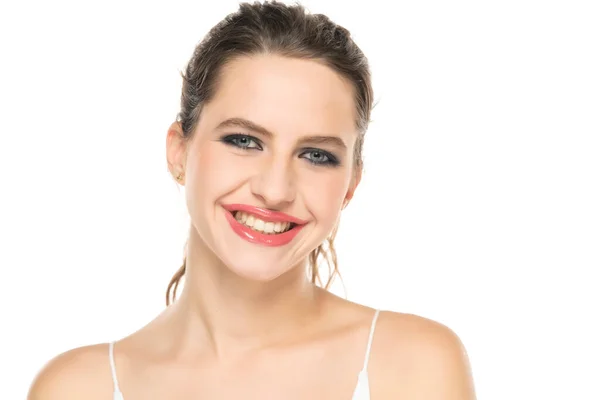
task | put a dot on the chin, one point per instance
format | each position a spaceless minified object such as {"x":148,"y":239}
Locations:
{"x":255,"y":266}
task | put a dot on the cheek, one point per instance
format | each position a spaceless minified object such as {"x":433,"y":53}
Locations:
{"x":325,"y":194}
{"x":212,"y":173}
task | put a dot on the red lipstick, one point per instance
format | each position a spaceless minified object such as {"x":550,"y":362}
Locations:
{"x":253,"y":236}
{"x":264,"y":214}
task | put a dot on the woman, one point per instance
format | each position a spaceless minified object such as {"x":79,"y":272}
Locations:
{"x":268,"y":145}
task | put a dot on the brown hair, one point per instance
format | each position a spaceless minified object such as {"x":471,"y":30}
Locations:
{"x":290,"y":31}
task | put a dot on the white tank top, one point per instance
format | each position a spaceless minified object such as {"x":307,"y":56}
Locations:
{"x":361,"y":391}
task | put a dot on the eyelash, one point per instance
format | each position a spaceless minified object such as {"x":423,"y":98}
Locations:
{"x":233,"y":140}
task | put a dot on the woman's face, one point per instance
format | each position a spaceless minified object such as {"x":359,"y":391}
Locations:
{"x":270,"y":164}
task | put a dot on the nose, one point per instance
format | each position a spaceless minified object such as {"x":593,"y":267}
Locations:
{"x":274,"y":184}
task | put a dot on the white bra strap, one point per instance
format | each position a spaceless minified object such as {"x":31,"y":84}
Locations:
{"x":113,"y":368}
{"x":371,"y":333}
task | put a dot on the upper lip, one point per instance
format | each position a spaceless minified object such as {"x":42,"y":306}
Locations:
{"x":264,"y":214}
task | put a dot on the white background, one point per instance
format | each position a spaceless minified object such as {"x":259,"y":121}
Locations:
{"x":479,"y":207}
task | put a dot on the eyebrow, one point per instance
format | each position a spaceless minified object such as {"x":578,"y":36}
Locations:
{"x":311,"y":139}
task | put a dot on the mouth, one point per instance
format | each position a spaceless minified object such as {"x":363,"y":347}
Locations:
{"x":262,"y":226}
{"x":259,"y":225}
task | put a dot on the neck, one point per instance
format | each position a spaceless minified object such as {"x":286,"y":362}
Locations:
{"x":232,"y":314}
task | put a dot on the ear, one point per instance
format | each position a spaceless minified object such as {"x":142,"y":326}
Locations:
{"x":352,"y":187}
{"x":176,"y":152}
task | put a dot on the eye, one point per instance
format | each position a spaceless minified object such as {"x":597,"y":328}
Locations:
{"x":320,"y":157}
{"x":243,"y":142}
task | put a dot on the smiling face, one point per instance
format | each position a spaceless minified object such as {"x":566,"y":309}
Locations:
{"x":270,"y":163}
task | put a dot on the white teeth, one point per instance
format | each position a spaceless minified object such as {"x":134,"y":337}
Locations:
{"x":269,"y":227}
{"x":259,"y":225}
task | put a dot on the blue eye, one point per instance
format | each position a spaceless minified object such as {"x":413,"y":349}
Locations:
{"x":320,"y":157}
{"x":243,"y":142}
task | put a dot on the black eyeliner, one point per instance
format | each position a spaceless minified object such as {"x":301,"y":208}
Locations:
{"x":230,"y":140}
{"x":332,"y":160}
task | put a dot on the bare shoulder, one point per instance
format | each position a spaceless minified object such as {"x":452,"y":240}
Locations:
{"x":415,"y":357}
{"x":79,"y":373}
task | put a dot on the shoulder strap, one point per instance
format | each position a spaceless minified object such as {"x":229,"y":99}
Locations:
{"x":362,"y":390}
{"x":371,"y":333}
{"x":113,"y":369}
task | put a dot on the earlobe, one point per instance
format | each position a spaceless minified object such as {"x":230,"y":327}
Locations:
{"x":349,"y":197}
{"x":176,"y":151}
{"x":353,"y":185}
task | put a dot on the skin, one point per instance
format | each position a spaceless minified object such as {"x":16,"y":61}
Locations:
{"x":248,"y":324}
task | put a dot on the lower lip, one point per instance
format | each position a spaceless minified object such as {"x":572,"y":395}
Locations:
{"x":274,"y":240}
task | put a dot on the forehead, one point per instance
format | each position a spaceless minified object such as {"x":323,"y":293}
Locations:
{"x":286,"y":95}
